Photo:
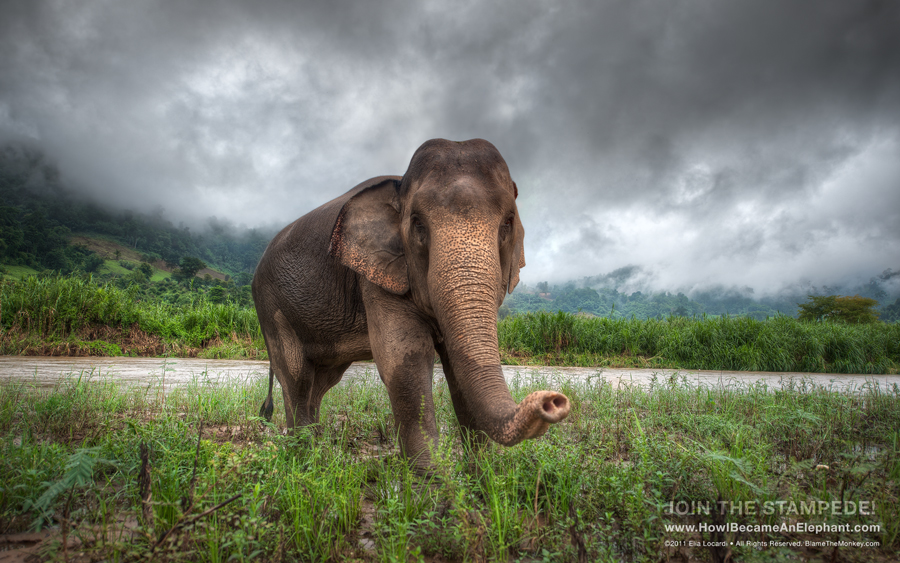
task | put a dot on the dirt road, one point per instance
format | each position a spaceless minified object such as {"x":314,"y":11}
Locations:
{"x":47,"y":371}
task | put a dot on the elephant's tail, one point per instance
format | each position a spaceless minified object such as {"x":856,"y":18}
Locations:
{"x":268,"y":406}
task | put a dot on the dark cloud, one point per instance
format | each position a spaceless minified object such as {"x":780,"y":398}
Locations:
{"x":746,"y":143}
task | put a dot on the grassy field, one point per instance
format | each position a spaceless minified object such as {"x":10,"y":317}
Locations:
{"x":19,"y":272}
{"x":76,"y":316}
{"x":114,"y":474}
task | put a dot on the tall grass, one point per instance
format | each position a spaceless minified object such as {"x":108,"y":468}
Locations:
{"x":51,"y":309}
{"x":723,"y":343}
{"x":58,"y":307}
{"x":601,"y":486}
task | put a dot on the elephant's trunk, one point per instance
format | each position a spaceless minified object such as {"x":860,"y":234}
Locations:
{"x":465,"y":304}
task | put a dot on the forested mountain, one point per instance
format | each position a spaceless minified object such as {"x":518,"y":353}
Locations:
{"x":609,"y":302}
{"x":38,"y":215}
{"x":605,"y":299}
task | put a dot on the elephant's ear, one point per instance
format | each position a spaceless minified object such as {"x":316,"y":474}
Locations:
{"x":366,"y":236}
{"x":517,"y":260}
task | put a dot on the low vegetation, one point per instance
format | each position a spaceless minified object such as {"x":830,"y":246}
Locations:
{"x":110,"y":473}
{"x":75,"y":315}
{"x":72,"y":315}
{"x":714,"y":343}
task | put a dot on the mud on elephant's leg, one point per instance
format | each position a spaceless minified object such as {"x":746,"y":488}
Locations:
{"x":404,"y":353}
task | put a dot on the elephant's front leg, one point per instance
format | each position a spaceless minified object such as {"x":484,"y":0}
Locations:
{"x":472,"y":438}
{"x":403,"y":349}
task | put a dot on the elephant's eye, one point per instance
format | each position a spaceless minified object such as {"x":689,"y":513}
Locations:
{"x":419,"y":228}
{"x":506,"y":229}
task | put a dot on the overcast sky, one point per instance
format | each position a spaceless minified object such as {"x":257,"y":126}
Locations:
{"x":740,"y":143}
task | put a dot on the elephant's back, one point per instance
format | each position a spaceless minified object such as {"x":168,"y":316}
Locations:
{"x":296,"y":275}
{"x":306,"y":241}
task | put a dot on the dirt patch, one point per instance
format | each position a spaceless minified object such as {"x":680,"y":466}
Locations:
{"x":132,"y":342}
{"x":97,"y":340}
{"x":212,"y":273}
{"x":106,"y":341}
{"x":105,"y":248}
{"x":35,"y":546}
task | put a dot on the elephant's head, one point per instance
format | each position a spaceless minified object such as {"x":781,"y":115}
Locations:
{"x":448,"y":236}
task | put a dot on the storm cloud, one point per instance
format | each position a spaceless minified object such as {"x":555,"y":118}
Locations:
{"x":746,"y":143}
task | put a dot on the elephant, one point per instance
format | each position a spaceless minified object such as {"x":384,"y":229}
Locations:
{"x":395,"y":269}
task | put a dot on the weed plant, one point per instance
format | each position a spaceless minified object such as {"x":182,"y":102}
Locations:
{"x":218,"y":484}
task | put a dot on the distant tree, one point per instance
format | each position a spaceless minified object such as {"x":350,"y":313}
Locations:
{"x":216,"y":294}
{"x":243,"y":278}
{"x":543,"y":287}
{"x":817,"y":307}
{"x":137,"y":276}
{"x":575,"y":300}
{"x":856,"y":309}
{"x":92,"y":263}
{"x":189,"y":266}
{"x":146,"y":269}
{"x":243,"y":296}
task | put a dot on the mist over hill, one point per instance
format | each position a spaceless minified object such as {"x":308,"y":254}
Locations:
{"x":39,"y":215}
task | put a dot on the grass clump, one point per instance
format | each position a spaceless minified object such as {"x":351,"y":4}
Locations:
{"x":194,"y":475}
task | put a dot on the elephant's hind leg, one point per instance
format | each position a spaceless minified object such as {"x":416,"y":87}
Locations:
{"x":268,"y":406}
{"x":294,"y":371}
{"x":303,"y":399}
{"x":326,"y":377}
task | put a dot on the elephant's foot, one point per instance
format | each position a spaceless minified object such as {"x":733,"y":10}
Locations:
{"x":267,"y":408}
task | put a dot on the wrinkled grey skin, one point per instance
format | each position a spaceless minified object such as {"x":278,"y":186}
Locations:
{"x":395,"y":269}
